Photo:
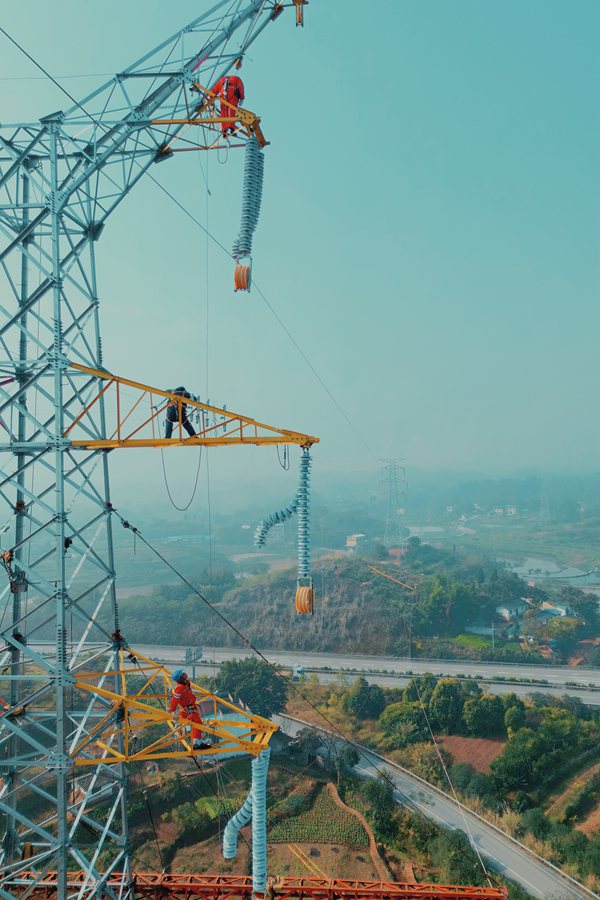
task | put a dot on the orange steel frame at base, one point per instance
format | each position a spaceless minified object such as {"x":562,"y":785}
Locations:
{"x":149,"y":886}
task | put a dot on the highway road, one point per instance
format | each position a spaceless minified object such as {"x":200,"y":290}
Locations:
{"x":557,"y":675}
{"x":388,"y":670}
{"x":554,"y":676}
{"x":503,"y":854}
{"x":393,"y":671}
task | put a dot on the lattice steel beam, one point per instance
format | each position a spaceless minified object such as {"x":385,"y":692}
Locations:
{"x":60,"y":179}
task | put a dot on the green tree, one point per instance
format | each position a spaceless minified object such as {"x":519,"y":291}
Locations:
{"x":171,"y":788}
{"x":308,"y":740}
{"x":446,"y":705}
{"x":364,"y":700}
{"x":461,"y":775}
{"x":484,"y":716}
{"x":379,"y":794}
{"x":404,"y":723}
{"x":346,"y":758}
{"x":456,"y":858}
{"x":420,"y":689}
{"x":514,"y":718}
{"x":191,"y":818}
{"x":255,"y":682}
{"x":428,"y":762}
{"x":532,"y":758}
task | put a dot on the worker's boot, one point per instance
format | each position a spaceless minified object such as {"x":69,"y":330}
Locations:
{"x":202,"y":743}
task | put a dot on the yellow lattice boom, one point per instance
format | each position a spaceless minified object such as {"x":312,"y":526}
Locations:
{"x":135,"y":414}
{"x":138,"y":726}
{"x":244,"y":122}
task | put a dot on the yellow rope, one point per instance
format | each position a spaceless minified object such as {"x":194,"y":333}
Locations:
{"x":312,"y":867}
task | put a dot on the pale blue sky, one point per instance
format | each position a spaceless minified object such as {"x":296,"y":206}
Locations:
{"x":429,"y":231}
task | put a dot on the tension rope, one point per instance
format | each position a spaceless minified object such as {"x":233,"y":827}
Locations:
{"x":164,"y":470}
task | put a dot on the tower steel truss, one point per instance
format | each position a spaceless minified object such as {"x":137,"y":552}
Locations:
{"x":60,"y":179}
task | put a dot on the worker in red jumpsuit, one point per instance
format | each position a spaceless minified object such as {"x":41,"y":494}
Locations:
{"x":184,"y":698}
{"x":230,"y":88}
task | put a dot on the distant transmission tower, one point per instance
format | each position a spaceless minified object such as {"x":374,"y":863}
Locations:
{"x":395,"y":482}
{"x":544,"y":516}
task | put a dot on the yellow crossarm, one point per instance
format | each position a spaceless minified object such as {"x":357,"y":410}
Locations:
{"x":138,"y":725}
{"x":244,"y":121}
{"x":135,"y":414}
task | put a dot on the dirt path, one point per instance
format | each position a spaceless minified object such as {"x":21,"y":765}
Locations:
{"x":379,"y":864}
{"x":555,"y":808}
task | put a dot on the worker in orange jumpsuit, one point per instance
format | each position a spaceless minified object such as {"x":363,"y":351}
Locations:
{"x":184,"y":698}
{"x":230,"y":88}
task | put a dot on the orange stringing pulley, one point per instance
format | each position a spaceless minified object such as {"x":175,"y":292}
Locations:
{"x":241,"y":278}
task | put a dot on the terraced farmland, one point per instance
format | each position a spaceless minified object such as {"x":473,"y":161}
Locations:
{"x":323,"y":823}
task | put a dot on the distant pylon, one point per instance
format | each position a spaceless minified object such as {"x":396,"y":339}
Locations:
{"x":544,"y":517}
{"x":395,"y":482}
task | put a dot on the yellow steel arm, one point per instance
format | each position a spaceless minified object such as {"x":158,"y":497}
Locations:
{"x":137,"y":420}
{"x":121,"y":735}
{"x":246,"y":122}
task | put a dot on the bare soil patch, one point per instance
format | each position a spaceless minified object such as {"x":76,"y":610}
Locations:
{"x":333,"y":860}
{"x":591,"y":824}
{"x":479,"y":752}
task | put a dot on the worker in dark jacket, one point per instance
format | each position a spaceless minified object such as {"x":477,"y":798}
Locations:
{"x":230,"y":88}
{"x":184,"y":698}
{"x":173,"y":414}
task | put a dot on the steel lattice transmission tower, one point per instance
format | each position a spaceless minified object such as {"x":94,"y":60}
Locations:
{"x":60,"y":179}
{"x":394,"y":481}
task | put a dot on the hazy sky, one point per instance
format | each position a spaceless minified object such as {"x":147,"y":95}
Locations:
{"x":429,"y":232}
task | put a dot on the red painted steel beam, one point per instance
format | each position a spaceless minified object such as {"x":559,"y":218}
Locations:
{"x":150,"y":886}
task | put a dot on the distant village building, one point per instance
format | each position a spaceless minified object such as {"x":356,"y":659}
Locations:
{"x":353,"y":540}
{"x":558,"y":609}
{"x":504,"y":511}
{"x":512,"y":610}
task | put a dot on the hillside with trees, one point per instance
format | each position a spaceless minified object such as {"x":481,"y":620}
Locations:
{"x":359,"y":611}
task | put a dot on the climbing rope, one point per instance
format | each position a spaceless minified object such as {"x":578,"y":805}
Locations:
{"x":312,"y":867}
{"x":150,"y":816}
{"x":285,"y":463}
{"x":191,"y":500}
